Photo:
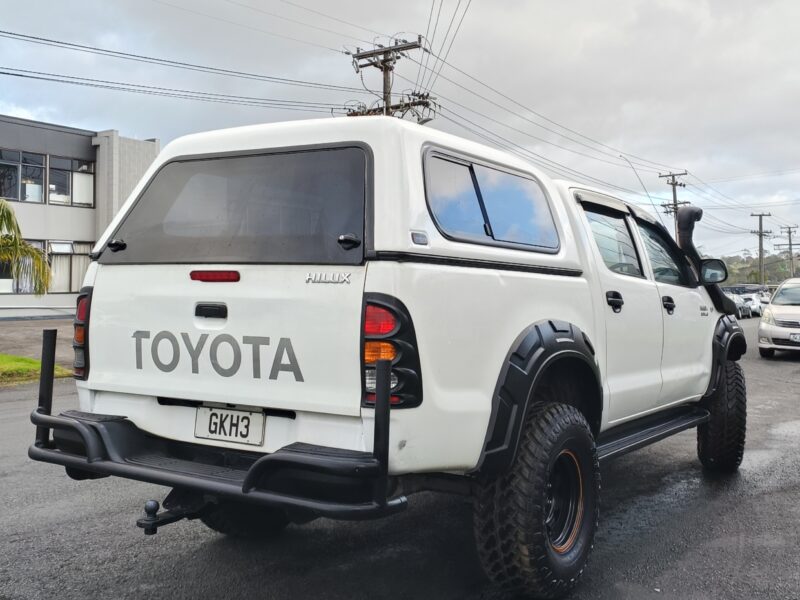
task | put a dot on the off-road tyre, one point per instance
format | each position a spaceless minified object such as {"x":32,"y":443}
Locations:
{"x":720,"y":441}
{"x":766,"y":352}
{"x":511,"y":513}
{"x":244,"y":520}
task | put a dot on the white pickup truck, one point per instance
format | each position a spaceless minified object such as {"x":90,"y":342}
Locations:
{"x":319,"y":318}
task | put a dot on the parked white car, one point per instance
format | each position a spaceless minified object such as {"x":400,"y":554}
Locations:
{"x":320,"y":318}
{"x":753,"y":302}
{"x":779,"y":328}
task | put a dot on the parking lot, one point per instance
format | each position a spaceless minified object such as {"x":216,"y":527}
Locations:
{"x":666,"y":531}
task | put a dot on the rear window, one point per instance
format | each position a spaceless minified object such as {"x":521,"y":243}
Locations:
{"x":270,"y":208}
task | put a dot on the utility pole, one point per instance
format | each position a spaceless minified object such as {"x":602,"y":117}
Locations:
{"x":761,"y":233}
{"x":672,"y":209}
{"x":789,"y":229}
{"x":384,"y":58}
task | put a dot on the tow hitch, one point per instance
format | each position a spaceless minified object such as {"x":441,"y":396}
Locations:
{"x":179,"y":505}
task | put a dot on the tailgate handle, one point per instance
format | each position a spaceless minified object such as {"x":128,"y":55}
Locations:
{"x":210,"y":310}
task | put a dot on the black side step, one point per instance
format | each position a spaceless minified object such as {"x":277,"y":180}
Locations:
{"x":648,"y":430}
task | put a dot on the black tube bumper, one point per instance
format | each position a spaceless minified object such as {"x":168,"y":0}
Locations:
{"x":317,"y":480}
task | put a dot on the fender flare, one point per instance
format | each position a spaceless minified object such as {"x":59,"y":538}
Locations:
{"x":534,"y":351}
{"x":729,"y":344}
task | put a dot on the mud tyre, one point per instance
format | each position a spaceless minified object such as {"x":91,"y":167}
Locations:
{"x":534,"y":526}
{"x":720,"y":441}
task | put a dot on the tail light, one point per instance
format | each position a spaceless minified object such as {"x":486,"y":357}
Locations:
{"x":80,"y":337}
{"x":388,"y":334}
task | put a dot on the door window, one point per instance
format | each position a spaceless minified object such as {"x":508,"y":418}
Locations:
{"x":668,"y":264}
{"x":614,"y":241}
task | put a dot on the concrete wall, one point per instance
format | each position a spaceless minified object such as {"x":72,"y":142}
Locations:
{"x":120,"y":164}
{"x":51,"y":222}
{"x":44,"y":138}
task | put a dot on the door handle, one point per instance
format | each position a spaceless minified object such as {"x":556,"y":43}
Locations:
{"x":615,"y":301}
{"x":348,"y":241}
{"x":668,"y":303}
{"x":211,"y":310}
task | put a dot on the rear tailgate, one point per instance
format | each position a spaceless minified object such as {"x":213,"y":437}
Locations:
{"x":284,"y":344}
{"x":285,"y":333}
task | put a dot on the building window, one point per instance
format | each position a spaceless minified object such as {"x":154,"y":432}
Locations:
{"x":71,"y":182}
{"x":24,"y":285}
{"x":6,"y":281}
{"x":68,"y":264}
{"x":21,"y":176}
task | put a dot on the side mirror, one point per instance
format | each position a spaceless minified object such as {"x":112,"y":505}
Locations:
{"x":713,"y":270}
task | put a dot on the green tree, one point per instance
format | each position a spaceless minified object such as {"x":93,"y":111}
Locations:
{"x":24,"y":261}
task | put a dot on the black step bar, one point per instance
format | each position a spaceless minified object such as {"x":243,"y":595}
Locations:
{"x":648,"y":430}
{"x":91,"y":445}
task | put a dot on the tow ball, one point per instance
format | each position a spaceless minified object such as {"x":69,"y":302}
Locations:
{"x":179,"y":505}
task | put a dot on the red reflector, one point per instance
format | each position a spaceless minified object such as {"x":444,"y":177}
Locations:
{"x":378,"y":321}
{"x":392,"y":399}
{"x":83,"y":308}
{"x":214,"y":276}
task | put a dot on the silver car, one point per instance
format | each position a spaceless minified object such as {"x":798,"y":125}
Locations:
{"x":754,"y":302}
{"x":779,"y":328}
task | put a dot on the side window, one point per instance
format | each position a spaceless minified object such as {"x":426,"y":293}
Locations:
{"x":614,"y":241}
{"x":481,"y":204}
{"x":668,"y":265}
{"x":453,"y":199}
{"x":517,"y":209}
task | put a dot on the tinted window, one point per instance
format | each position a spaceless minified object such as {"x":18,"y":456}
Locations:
{"x":668,"y":265}
{"x":453,"y":200}
{"x":613,"y":239}
{"x":275,"y":208}
{"x":517,"y":209}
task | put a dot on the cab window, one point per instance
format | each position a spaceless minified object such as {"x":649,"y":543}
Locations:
{"x":669,"y":265}
{"x":614,"y":241}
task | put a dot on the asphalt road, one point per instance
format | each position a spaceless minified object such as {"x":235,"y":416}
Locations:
{"x":667,"y":530}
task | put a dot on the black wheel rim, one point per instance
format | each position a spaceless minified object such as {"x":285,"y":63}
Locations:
{"x":564,"y":502}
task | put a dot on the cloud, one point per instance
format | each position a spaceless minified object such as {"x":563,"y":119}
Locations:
{"x":701,"y":84}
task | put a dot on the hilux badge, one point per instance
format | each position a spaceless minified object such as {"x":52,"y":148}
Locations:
{"x":328,"y":277}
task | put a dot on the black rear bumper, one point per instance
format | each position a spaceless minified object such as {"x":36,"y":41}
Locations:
{"x":316,"y":480}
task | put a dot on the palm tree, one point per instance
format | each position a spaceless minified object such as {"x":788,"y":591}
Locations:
{"x":26,"y":262}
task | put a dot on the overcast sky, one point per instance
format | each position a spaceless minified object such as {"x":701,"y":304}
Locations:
{"x":709,"y":86}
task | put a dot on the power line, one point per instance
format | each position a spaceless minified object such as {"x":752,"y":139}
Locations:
{"x":450,"y":47}
{"x":430,"y":45}
{"x":250,"y":27}
{"x":531,"y":156}
{"x":616,"y":151}
{"x":175,"y":63}
{"x":530,"y":135}
{"x":635,"y":172}
{"x":427,"y":30}
{"x":295,"y":21}
{"x":529,"y":120}
{"x":755,"y":176}
{"x":444,"y":41}
{"x":172,"y":92}
{"x":327,"y":16}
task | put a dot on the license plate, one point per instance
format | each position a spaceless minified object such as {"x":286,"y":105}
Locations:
{"x":795,"y":337}
{"x":239,"y":426}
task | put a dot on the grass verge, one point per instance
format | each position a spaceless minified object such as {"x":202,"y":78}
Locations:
{"x":18,"y":369}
